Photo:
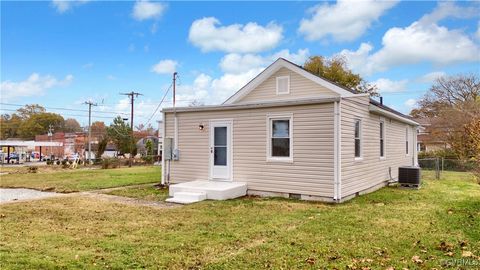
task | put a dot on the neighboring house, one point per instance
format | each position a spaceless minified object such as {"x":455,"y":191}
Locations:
{"x":293,"y":134}
{"x":431,"y":135}
{"x":142,"y":145}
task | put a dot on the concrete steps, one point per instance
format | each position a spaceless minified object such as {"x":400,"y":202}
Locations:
{"x":195,"y":191}
{"x":187,"y":197}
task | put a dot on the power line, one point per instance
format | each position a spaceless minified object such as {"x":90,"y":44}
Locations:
{"x":67,"y":114}
{"x":163,"y":98}
{"x":64,"y":109}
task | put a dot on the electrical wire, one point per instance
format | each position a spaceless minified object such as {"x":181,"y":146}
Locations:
{"x":159,"y":104}
{"x":64,"y":109}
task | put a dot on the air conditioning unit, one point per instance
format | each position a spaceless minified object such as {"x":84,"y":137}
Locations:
{"x":409,"y":176}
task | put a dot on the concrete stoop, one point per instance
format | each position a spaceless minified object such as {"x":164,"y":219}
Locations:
{"x":196,"y":191}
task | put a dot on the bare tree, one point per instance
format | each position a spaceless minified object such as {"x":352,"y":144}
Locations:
{"x":454,"y":104}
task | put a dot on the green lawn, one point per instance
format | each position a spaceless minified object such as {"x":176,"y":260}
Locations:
{"x":148,"y":193}
{"x":82,"y":179}
{"x":383,"y":229}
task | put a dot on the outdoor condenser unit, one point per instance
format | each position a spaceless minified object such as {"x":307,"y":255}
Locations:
{"x":409,"y":176}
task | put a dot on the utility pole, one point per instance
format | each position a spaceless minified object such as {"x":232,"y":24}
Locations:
{"x":90,"y":104}
{"x":132,"y":95}
{"x":174,"y":81}
{"x":50,"y":134}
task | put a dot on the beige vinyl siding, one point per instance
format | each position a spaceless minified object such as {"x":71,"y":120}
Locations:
{"x":311,"y":172}
{"x":300,"y":87}
{"x":371,"y":170}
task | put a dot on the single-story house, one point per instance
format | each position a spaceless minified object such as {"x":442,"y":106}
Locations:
{"x":291,"y":133}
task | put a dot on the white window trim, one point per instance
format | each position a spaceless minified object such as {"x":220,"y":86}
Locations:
{"x":288,"y":85}
{"x":271,"y":117}
{"x":382,"y":120}
{"x":360,"y":158}
{"x":407,"y":139}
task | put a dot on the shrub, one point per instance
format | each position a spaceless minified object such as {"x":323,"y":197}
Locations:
{"x":110,"y":163}
{"x":70,"y":162}
{"x":58,"y":162}
{"x":148,"y":159}
{"x":32,"y":169}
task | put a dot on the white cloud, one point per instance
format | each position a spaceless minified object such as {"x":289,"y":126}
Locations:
{"x":144,"y":10}
{"x":477,"y":34}
{"x":63,"y":6}
{"x":88,"y":65}
{"x":344,"y":20}
{"x":410,"y":103}
{"x":34,"y":85}
{"x":111,"y":77}
{"x":431,"y":77}
{"x":423,"y":40}
{"x":238,"y":63}
{"x":209,"y":35}
{"x":298,"y":58}
{"x":228,"y":84}
{"x":449,"y":9}
{"x":388,"y":86}
{"x":143,"y":110}
{"x":166,"y":66}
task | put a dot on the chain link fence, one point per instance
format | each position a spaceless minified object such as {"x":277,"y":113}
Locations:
{"x":440,"y":164}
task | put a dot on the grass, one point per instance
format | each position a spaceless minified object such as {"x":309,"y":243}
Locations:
{"x":379,"y":230}
{"x":82,"y":179}
{"x":148,"y":193}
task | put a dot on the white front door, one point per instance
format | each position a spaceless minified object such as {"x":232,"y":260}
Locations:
{"x":220,"y":150}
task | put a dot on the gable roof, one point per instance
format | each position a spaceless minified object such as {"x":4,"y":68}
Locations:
{"x":274,"y":67}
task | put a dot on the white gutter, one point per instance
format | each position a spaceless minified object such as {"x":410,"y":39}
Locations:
{"x":377,"y":110}
{"x":267,"y":104}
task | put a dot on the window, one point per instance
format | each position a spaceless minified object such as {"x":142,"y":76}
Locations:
{"x":382,"y":139}
{"x":280,"y":138}
{"x":358,"y":139}
{"x":406,"y":141}
{"x":283,"y":85}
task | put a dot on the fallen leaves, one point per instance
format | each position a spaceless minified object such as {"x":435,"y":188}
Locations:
{"x":310,"y":261}
{"x":445,"y":246}
{"x":467,"y":254}
{"x":416,"y":259}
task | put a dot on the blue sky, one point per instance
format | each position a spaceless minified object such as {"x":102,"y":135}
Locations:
{"x":60,"y":54}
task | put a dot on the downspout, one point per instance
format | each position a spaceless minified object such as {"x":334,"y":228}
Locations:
{"x":163,"y":147}
{"x":337,"y":152}
{"x":415,"y":148}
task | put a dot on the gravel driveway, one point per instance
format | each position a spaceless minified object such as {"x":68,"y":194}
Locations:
{"x":16,"y":194}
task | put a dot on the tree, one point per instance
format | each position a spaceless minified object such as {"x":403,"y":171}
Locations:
{"x":336,"y":70}
{"x":120,"y":133}
{"x":454,"y":103}
{"x":98,"y":130}
{"x":9,"y":125}
{"x":72,"y":125}
{"x":149,"y":147}
{"x":30,"y":109}
{"x":99,"y":134}
{"x":39,"y":123}
{"x":458,"y":92}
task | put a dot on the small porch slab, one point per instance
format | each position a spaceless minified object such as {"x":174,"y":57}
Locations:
{"x":195,"y":191}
